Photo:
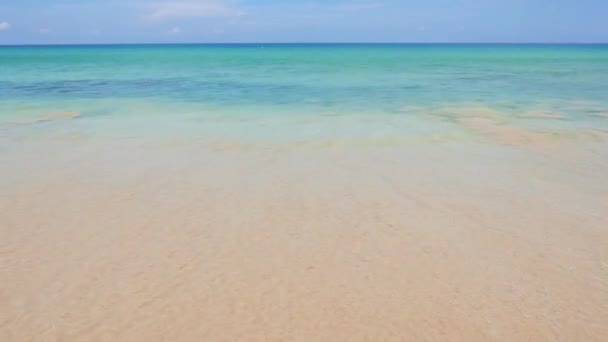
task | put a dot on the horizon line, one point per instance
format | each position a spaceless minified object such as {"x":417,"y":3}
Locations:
{"x":302,"y":43}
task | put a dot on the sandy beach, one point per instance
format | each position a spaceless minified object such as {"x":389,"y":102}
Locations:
{"x":301,"y":192}
{"x":179,"y":241}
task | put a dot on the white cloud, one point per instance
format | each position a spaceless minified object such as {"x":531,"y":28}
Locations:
{"x":174,"y":30}
{"x":4,"y":26}
{"x":201,"y":8}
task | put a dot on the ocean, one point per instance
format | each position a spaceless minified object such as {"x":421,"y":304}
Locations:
{"x":289,"y":93}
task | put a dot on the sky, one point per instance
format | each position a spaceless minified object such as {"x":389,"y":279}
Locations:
{"x":214,"y":21}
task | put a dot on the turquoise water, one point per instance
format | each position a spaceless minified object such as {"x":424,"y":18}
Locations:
{"x":303,"y":92}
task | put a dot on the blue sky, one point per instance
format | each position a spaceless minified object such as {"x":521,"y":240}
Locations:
{"x":165,"y":21}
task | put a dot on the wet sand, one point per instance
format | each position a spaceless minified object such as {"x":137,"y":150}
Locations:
{"x":420,"y":241}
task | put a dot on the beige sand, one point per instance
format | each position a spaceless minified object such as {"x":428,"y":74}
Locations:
{"x":421,"y":241}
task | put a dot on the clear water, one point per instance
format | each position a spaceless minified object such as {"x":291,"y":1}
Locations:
{"x":285,"y":92}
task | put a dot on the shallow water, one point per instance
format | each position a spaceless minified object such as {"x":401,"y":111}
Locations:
{"x":314,"y":193}
{"x":296,"y":92}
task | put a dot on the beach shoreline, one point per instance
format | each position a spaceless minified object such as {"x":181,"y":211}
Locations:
{"x":473,"y":241}
{"x":303,"y":192}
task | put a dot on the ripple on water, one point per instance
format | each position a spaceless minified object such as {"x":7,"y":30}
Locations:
{"x":501,"y":127}
{"x":50,"y":117}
